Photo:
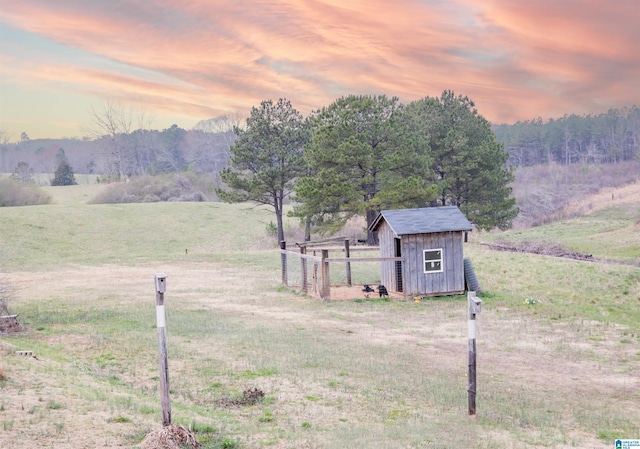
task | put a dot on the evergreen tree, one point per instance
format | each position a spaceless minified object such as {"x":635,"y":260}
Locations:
{"x":468,"y":164}
{"x":267,"y":157}
{"x":64,"y":173}
{"x":360,"y":161}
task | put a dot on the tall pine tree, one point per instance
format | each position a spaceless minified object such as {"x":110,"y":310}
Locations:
{"x":468,"y":164}
{"x":267,"y":157}
{"x":359,"y":163}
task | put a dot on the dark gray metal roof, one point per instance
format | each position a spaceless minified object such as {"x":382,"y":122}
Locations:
{"x":423,"y":220}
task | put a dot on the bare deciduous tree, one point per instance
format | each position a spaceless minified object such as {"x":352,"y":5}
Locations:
{"x":114,"y":124}
{"x":212,"y":140}
{"x":5,"y":137}
{"x":223,"y":125}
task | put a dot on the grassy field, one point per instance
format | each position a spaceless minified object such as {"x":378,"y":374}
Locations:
{"x":558,"y":342}
{"x":606,"y":225}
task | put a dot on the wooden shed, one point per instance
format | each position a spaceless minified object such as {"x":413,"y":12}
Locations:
{"x":430,"y":241}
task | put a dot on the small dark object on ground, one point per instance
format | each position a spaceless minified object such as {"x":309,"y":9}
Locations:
{"x":250,"y":396}
{"x":382,"y":291}
{"x":367,"y":289}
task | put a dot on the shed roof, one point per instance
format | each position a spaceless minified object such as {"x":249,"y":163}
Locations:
{"x":423,"y":220}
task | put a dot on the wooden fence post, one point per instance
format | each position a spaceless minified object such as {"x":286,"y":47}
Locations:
{"x":161,"y":322}
{"x":474,"y":304}
{"x":348,"y":264}
{"x":283,"y":260}
{"x":315,"y":274}
{"x":324,"y":274}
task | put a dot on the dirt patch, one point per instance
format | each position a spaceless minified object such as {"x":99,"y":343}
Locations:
{"x":355,"y":292}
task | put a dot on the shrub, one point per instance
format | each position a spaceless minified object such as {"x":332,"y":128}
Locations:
{"x":23,"y":173}
{"x":15,"y":193}
{"x":150,"y":189}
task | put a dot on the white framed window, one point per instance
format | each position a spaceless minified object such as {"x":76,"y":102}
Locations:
{"x":432,"y":260}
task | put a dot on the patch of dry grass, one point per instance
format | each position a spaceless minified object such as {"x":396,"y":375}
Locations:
{"x":360,"y":374}
{"x":626,"y":195}
{"x":551,"y":192}
{"x":561,"y":371}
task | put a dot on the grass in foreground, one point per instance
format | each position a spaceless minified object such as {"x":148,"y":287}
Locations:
{"x":558,"y":358}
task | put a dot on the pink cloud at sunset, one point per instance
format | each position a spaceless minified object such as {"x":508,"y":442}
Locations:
{"x":187,"y":61}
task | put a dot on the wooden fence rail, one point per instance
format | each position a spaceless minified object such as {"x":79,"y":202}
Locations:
{"x":321,"y":283}
{"x":365,"y":259}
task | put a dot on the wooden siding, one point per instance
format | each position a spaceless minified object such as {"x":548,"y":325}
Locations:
{"x":450,"y":280}
{"x":415,"y":281}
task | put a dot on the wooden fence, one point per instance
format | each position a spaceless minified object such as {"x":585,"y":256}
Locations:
{"x":311,"y":273}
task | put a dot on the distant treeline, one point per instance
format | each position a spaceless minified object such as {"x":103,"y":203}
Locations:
{"x":613,"y":136}
{"x":137,"y":153}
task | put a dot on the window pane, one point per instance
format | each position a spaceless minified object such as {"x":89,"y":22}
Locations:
{"x":433,"y":255}
{"x":432,"y":261}
{"x":433,"y":266}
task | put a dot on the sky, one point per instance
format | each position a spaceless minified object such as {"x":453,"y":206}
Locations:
{"x":182,"y":61}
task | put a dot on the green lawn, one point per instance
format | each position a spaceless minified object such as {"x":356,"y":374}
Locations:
{"x":558,"y":340}
{"x":90,"y":234}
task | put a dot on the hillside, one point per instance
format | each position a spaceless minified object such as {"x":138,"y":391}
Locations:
{"x":551,"y":192}
{"x":593,"y":211}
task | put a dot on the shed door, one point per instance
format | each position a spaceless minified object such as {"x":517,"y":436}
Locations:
{"x":398,"y":253}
